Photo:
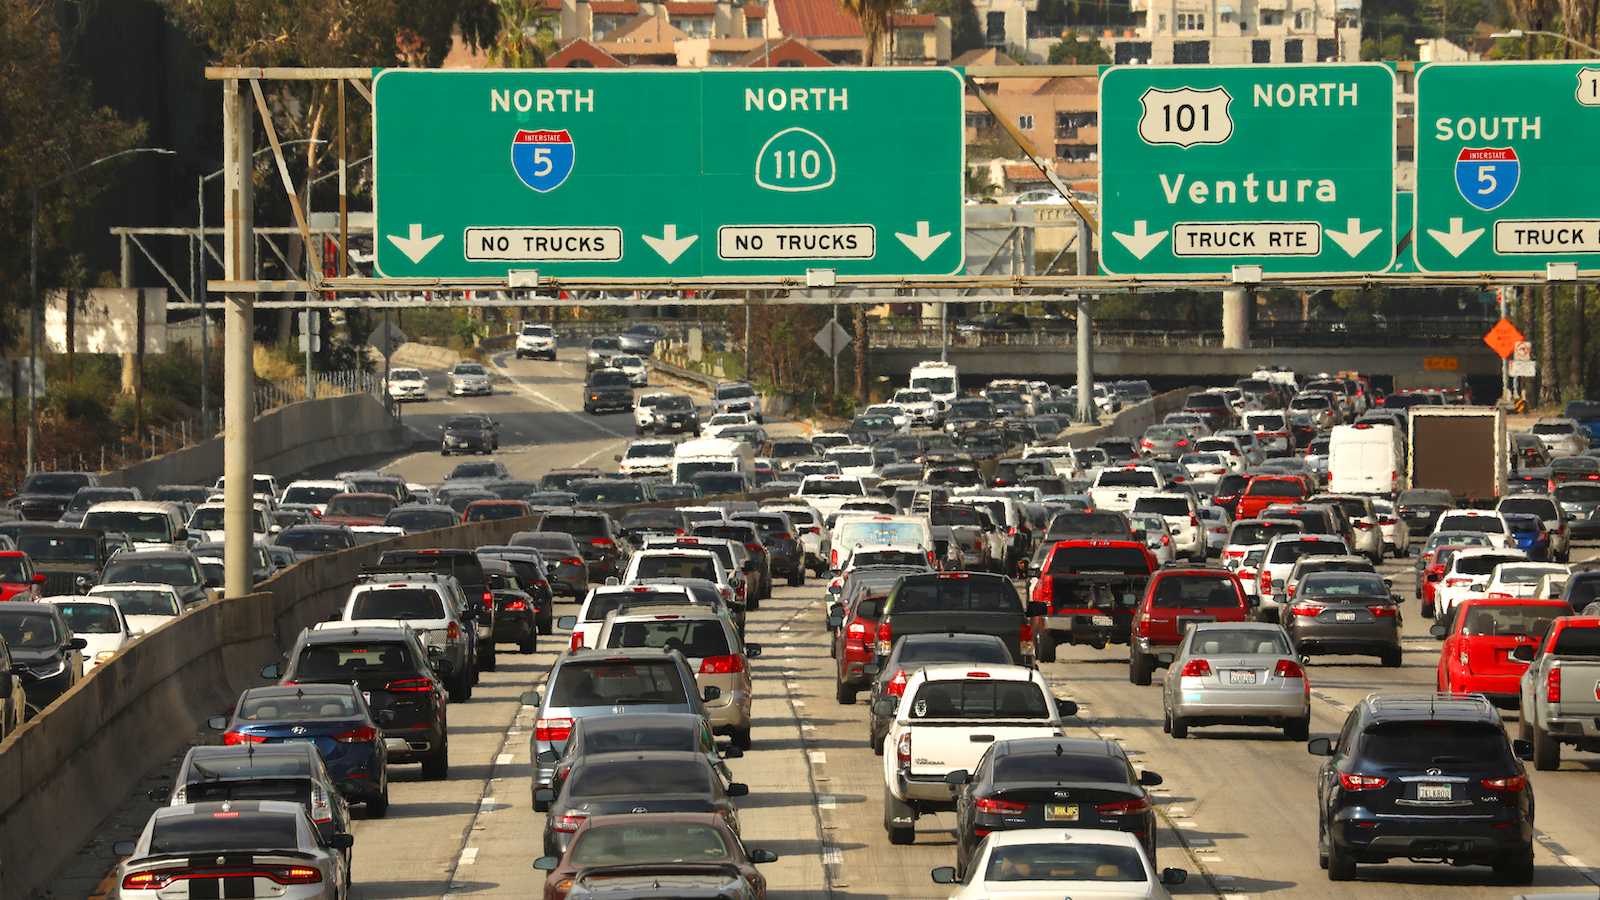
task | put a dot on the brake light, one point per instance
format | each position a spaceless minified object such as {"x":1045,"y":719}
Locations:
{"x":1000,"y":807}
{"x":573,"y":562}
{"x":721,"y":665}
{"x":1183,"y":443}
{"x":885,"y":632}
{"x":232,"y":738}
{"x":569,"y":822}
{"x":783,"y":537}
{"x":1514,"y":784}
{"x":1361,"y":782}
{"x":1552,"y":686}
{"x":1027,"y":632}
{"x":452,"y":632}
{"x":856,"y":630}
{"x":1266,"y":581}
{"x":1383,"y":610}
{"x":902,"y":750}
{"x":409,"y":685}
{"x":1146,"y":444}
{"x":1288,"y":668}
{"x":515,"y":606}
{"x":1196,"y":668}
{"x":833,"y":559}
{"x":552,"y":729}
{"x":1305,"y":609}
{"x":1045,"y":593}
{"x":146,"y":881}
{"x":577,"y":640}
{"x":1125,"y":808}
{"x":358,"y":736}
{"x":1456,"y":582}
{"x":897,"y":684}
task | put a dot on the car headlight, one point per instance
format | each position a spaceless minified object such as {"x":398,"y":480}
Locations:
{"x":104,"y":655}
{"x":51,"y":670}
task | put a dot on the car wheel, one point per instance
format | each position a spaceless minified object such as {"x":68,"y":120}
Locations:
{"x":797,"y":577}
{"x":1546,"y":750}
{"x":1341,"y":863}
{"x":845,"y":694}
{"x":548,"y":626}
{"x":436,"y":767}
{"x":487,"y":659}
{"x":1166,"y":721}
{"x":753,"y":604}
{"x":443,"y":452}
{"x":1299,"y":729}
{"x":1427,"y":610}
{"x":876,"y":742}
{"x":1180,"y":727}
{"x":1139,"y":668}
{"x":741,"y":738}
{"x":377,"y":809}
{"x":461,"y":688}
{"x":1044,"y":645}
{"x":1516,"y":868}
{"x":1392,"y":657}
{"x":540,"y":806}
{"x":529,"y":644}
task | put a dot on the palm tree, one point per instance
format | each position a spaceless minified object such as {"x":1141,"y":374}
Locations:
{"x":527,"y":35}
{"x":874,"y":16}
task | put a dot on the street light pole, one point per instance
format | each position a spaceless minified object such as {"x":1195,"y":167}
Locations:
{"x":1516,"y":33}
{"x":36,"y":316}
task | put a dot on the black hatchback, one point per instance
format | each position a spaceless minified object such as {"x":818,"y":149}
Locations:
{"x":1053,"y":783}
{"x":1428,"y":778}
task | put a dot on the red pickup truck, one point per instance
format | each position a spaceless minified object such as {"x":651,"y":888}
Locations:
{"x":1090,"y":589}
{"x":1265,"y":490}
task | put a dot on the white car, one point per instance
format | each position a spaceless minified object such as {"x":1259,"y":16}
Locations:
{"x":1215,"y":522}
{"x":469,"y":378}
{"x":1232,"y":451}
{"x":407,"y":384}
{"x":918,"y":404}
{"x":1282,"y":552}
{"x":854,"y":460}
{"x":647,"y":457}
{"x":895,"y":412}
{"x":146,"y":607}
{"x":826,"y":493}
{"x":1468,"y":577}
{"x":1183,"y":522}
{"x":634,"y":368}
{"x":1396,"y":533}
{"x":723,"y":421}
{"x":101,"y":624}
{"x":1518,"y":581}
{"x":1063,"y":459}
{"x":1157,"y":536}
{"x":315,"y":493}
{"x":1490,"y":523}
{"x":1038,"y":863}
{"x":1254,"y":455}
{"x":536,"y":340}
{"x":1205,"y":467}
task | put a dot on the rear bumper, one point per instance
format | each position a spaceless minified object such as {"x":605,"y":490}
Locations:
{"x":931,"y":790}
{"x":1081,"y":627}
{"x":1374,"y":838}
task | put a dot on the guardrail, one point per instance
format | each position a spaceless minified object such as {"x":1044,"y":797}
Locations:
{"x":1141,"y":333}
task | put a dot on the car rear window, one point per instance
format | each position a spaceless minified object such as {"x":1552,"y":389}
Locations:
{"x":586,"y":526}
{"x":1208,"y":591}
{"x":349,"y":661}
{"x":1275,"y":487}
{"x":1433,"y":743}
{"x":941,"y":594}
{"x":694,"y":638}
{"x":667,"y":776}
{"x":1065,"y":525}
{"x":247,"y":831}
{"x":1126,"y":479}
{"x":288,"y":790}
{"x":1252,"y":533}
{"x":397,"y":603}
{"x":696,"y":566}
{"x":628,"y":682}
{"x":1089,"y":560}
{"x":979,"y":699}
{"x":1053,"y":768}
{"x":1289,"y":551}
{"x":1163,"y":506}
{"x":955,"y":650}
{"x":1511,"y":618}
{"x":649,"y":843}
{"x":1481,"y":565}
{"x":1577,"y":642}
{"x":1533,"y":506}
{"x":1484,"y":524}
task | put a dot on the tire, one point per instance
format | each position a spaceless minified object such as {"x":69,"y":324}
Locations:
{"x":1044,"y":646}
{"x":845,"y":694}
{"x":1139,"y":668}
{"x":876,"y":742}
{"x":741,"y":738}
{"x":437,"y":766}
{"x":1392,"y":658}
{"x":1546,"y":750}
{"x":1341,"y":865}
{"x":1180,"y":728}
{"x":753,"y":605}
{"x":443,"y":452}
{"x":1299,"y":729}
{"x":461,"y":688}
{"x":549,"y":625}
{"x":1427,"y":610}
{"x":529,"y":644}
{"x":488,"y":659}
{"x":541,"y":806}
{"x":1166,"y":722}
{"x":1516,"y":868}
{"x":797,"y":577}
{"x":377,"y":809}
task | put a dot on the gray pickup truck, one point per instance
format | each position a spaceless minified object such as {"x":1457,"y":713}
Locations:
{"x":959,"y":602}
{"x":1558,"y":691}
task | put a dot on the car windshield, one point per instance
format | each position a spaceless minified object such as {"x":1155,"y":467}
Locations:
{"x":464,"y":423}
{"x":397,"y":603}
{"x":311,"y":493}
{"x":145,"y":602}
{"x":627,"y":362}
{"x":732,"y":391}
{"x":666,"y":842}
{"x":475,"y":470}
{"x":1481,"y":565}
{"x":178,"y":573}
{"x":29,"y":630}
{"x":956,"y":650}
{"x":648,"y":451}
{"x":248,"y":832}
{"x":975,"y":699}
{"x":1333,"y":585}
{"x":405,"y":375}
{"x":1433,"y":742}
{"x":90,"y":618}
{"x":612,"y":683}
{"x":143,"y":527}
{"x":361,"y":507}
{"x":468,"y":369}
{"x":347,"y":661}
{"x":677,"y":403}
{"x":319,"y":539}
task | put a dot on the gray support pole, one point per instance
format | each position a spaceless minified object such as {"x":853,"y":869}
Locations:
{"x":238,"y":212}
{"x":126,"y":283}
{"x":1235,"y":320}
{"x":944,"y":332}
{"x":205,"y":324}
{"x":1086,"y":407}
{"x":835,"y":349}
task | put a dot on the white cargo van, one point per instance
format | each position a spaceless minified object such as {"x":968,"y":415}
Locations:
{"x":939,"y":379}
{"x":1366,"y":458}
{"x":709,"y":455}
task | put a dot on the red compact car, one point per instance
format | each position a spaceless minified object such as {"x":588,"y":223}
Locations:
{"x":854,"y":647}
{"x":1479,"y":639}
{"x":18,"y":580}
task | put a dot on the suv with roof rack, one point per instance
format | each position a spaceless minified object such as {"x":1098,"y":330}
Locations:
{"x":1428,"y":778}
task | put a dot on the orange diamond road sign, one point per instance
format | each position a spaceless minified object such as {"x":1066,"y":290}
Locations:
{"x":1503,"y":338}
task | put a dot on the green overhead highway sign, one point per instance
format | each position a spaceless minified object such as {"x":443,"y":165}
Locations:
{"x":661,"y":174}
{"x":1290,"y":167}
{"x":1507,"y":172}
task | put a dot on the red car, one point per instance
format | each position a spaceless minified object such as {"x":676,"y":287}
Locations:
{"x":1090,"y":589}
{"x":680,"y":853}
{"x":1479,"y":639}
{"x":1176,"y":597}
{"x":492,"y":510}
{"x":1433,"y":572}
{"x":854,"y":647}
{"x":18,"y":580}
{"x":1265,"y":490}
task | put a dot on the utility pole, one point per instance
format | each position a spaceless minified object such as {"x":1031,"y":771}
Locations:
{"x":1086,"y":408}
{"x":238,"y":243}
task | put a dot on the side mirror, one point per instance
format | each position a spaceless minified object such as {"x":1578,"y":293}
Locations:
{"x":1319,"y":747}
{"x":712,"y":692}
{"x":1478,"y":588}
{"x":1149,"y":779}
{"x":270,"y":671}
{"x":1433,"y":576}
{"x":530,"y":698}
{"x":1174,"y":876}
{"x":752,"y":651}
{"x":833,"y":588}
{"x":333,"y":617}
{"x":77,"y":643}
{"x":1438,"y":630}
{"x":738,"y":789}
{"x":731,"y":752}
{"x":871,"y":669}
{"x":835,"y":620}
{"x":567,"y":623}
{"x":123,"y":848}
{"x":544,"y":795}
{"x":1164,"y":659}
{"x":344,"y":840}
{"x":1522,"y":749}
{"x":486,"y":618}
{"x":959,"y":776}
{"x":160,"y":794}
{"x":546,"y":863}
{"x":217,"y":723}
{"x":386,"y":717}
{"x":1066,"y":708}
{"x":884,"y":706}
{"x":350,"y":788}
{"x":1397,"y":599}
{"x":1523,"y":653}
{"x":435,"y":652}
{"x":1038,"y":608}
{"x":1388,"y":582}
{"x":761,"y":856}
{"x":618,"y":457}
{"x":944,"y":875}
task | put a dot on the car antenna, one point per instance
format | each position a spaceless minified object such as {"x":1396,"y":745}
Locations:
{"x":1058,"y":749}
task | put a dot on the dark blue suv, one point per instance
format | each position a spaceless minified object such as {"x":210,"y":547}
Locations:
{"x":1424,"y":777}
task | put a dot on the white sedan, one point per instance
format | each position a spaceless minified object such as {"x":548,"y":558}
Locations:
{"x":101,"y":624}
{"x":723,"y":421}
{"x":145,"y":606}
{"x":1049,"y":864}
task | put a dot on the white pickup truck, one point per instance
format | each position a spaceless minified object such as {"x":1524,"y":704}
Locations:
{"x":944,"y":720}
{"x":1116,"y":489}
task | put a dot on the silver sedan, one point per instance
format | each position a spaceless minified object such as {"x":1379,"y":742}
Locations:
{"x":1236,"y":673}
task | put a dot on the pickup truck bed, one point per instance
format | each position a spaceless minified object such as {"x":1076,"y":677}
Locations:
{"x":1557,"y":696}
{"x":1090,"y":590}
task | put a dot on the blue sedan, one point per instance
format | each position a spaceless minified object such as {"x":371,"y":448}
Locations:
{"x":1527,"y":531}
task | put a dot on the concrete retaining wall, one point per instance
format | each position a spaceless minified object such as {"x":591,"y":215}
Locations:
{"x":288,"y":440}
{"x":425,"y":356}
{"x":1129,"y":422}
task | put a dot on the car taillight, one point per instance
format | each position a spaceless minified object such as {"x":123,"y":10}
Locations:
{"x":1552,"y":686}
{"x":1381,"y":611}
{"x":321,"y":809}
{"x":1181,"y":444}
{"x":856,"y":630}
{"x":573,"y":562}
{"x":569,"y":822}
{"x":1288,"y":668}
{"x":885,"y":633}
{"x":1266,"y":581}
{"x":488,"y":598}
{"x":1500,"y":595}
{"x":897,"y":684}
{"x":783,"y":537}
{"x":238,"y":737}
{"x":1027,"y":632}
{"x":902,"y":750}
{"x":1456,"y":582}
{"x":1305,"y":609}
{"x":721,"y":665}
{"x":603,"y":542}
{"x":1196,"y":668}
{"x":1000,"y":807}
{"x":1361,"y":782}
{"x":1514,"y":784}
{"x":358,"y":736}
{"x":516,"y":606}
{"x":833,"y":559}
{"x":1146,"y":444}
{"x":561,"y":889}
{"x":1166,"y":539}
{"x":552,"y":729}
{"x":409,"y":685}
{"x":1045,"y":592}
{"x":452,"y":631}
{"x":1125,"y":808}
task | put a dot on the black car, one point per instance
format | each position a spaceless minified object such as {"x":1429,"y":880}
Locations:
{"x":641,"y":523}
{"x":516,"y":609}
{"x":44,"y":495}
{"x":678,"y":492}
{"x":1053,"y":783}
{"x":181,"y":493}
{"x":469,"y":433}
{"x":478,"y":474}
{"x":665,"y":781}
{"x":40,"y":639}
{"x":463,"y":565}
{"x":1421,"y":509}
{"x":415,"y":517}
{"x":1120,"y":450}
{"x":968,"y":413}
{"x":1424,"y":777}
{"x":676,"y":414}
{"x":563,"y":560}
{"x":69,"y":558}
{"x":603,"y":547}
{"x":639,"y":732}
{"x":750,"y":537}
{"x":177,"y":568}
{"x":285,"y":771}
{"x":717,"y":484}
{"x":307,"y":541}
{"x":915,"y":651}
{"x":561,"y":479}
{"x":785,"y":554}
{"x":459,"y":497}
{"x":513,"y":489}
{"x":609,"y":492}
{"x":394,"y":672}
{"x":607,"y":389}
{"x":529,"y":566}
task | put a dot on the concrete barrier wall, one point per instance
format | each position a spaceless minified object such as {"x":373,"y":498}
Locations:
{"x":288,"y":440}
{"x":1129,"y":422}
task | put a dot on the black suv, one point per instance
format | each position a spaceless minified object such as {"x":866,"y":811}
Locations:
{"x":607,"y":389}
{"x":393,"y":670}
{"x":1424,"y":777}
{"x":469,"y":433}
{"x":44,"y":495}
{"x":601,"y":543}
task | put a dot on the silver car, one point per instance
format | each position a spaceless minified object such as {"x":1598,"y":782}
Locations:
{"x":1236,"y":673}
{"x":1564,"y":436}
{"x":271,"y":843}
{"x":469,"y":378}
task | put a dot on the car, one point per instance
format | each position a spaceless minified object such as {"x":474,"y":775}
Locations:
{"x":334,"y":718}
{"x":1346,"y":612}
{"x":563,"y":559}
{"x":394,"y":672}
{"x":1174,"y":596}
{"x":407,"y":384}
{"x":415,"y":517}
{"x":1519,"y":580}
{"x":70,"y":559}
{"x":785,"y":550}
{"x":469,"y":433}
{"x":262,"y":771}
{"x":177,"y":568}
{"x":38,"y":638}
{"x":307,"y":541}
{"x":1051,"y":863}
{"x":469,"y":378}
{"x":639,"y":732}
{"x":666,"y":848}
{"x":601,"y":544}
{"x":1016,"y":786}
{"x":86,"y":497}
{"x":1236,"y":673}
{"x":534,"y":340}
{"x":668,"y":414}
{"x":100,"y":622}
{"x":259,"y":840}
{"x":641,"y":338}
{"x":674,"y":781}
{"x":916,"y":651}
{"x":44,"y":496}
{"x":1279,"y":558}
{"x":607,"y":390}
{"x":1394,"y":528}
{"x":1467,"y":575}
{"x":1476,"y":656}
{"x":1563,"y":436}
{"x":1423,"y":775}
{"x":634,"y":368}
{"x":358,"y":509}
{"x":738,"y":396}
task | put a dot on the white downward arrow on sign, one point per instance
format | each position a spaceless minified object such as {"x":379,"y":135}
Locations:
{"x":1353,"y":239}
{"x":1139,"y":243}
{"x":922,"y":243}
{"x":416,"y":246}
{"x":669,"y":245}
{"x":1455,"y":240}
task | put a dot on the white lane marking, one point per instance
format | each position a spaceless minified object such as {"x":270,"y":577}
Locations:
{"x":581,"y":417}
{"x":818,"y":757}
{"x":1177,"y":812}
{"x":797,"y":702}
{"x":503,"y":759}
{"x":832,"y":856}
{"x":469,"y":856}
{"x":827,"y":801}
{"x":486,"y":805}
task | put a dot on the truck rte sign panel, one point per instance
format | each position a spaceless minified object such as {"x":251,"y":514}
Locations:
{"x":667,"y":173}
{"x":1288,"y":167}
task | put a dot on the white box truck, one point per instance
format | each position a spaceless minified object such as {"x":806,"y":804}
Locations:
{"x":1368,"y":458}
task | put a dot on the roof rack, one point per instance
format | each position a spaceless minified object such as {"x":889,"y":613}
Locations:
{"x":1378,"y":700}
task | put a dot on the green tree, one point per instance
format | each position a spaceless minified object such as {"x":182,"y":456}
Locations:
{"x":874,"y":16}
{"x":966,"y":32}
{"x":527,"y":36}
{"x":1081,"y":50}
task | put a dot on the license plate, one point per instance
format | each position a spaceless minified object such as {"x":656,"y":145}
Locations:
{"x":1100,"y":620}
{"x":1241,"y":676}
{"x":300,"y":740}
{"x":1433,"y":792}
{"x":1061,"y":812}
{"x":1344,"y":617}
